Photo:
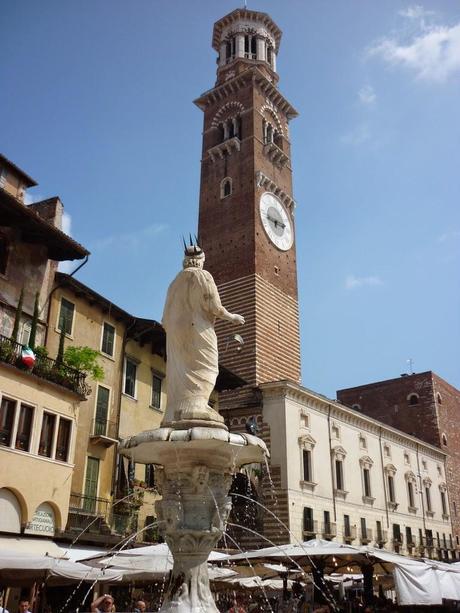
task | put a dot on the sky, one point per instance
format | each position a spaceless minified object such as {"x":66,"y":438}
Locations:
{"x":96,"y":106}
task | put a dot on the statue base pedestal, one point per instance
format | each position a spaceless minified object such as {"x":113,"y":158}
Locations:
{"x":194,"y":473}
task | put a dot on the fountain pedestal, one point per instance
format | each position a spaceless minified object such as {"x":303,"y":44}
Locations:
{"x":195,"y":474}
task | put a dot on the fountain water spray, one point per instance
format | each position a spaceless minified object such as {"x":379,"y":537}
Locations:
{"x":193,"y":449}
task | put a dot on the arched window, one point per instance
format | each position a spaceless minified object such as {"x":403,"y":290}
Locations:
{"x":439,"y":398}
{"x":444,"y":439}
{"x":413,"y":399}
{"x":225,"y":188}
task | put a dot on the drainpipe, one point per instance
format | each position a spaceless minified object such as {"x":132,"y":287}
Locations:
{"x":331,"y":461}
{"x":383,"y":477}
{"x":52,"y":292}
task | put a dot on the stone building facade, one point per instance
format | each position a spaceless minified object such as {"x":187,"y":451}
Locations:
{"x":423,"y":405}
{"x":39,"y":407}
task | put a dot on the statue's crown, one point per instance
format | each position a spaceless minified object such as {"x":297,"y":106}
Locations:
{"x":193,"y":249}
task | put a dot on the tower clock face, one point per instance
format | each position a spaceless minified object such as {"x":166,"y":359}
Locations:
{"x":276,"y":221}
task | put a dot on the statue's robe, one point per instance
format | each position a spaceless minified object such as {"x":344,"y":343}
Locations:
{"x":192,"y":305}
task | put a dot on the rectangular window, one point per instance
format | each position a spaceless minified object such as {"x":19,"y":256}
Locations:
{"x":367,"y":482}
{"x":91,"y":484}
{"x":346,"y":525}
{"x":156,"y":391}
{"x":308,"y":519}
{"x":327,"y":523}
{"x":130,"y":377}
{"x":428,"y":499}
{"x":429,"y":538}
{"x":339,"y":475}
{"x":397,"y":533}
{"x":7,"y":410}
{"x":63,"y":439}
{"x":409,"y":539}
{"x":443,"y":503}
{"x":26,"y":415}
{"x":391,"y":489}
{"x":149,"y":475}
{"x":66,"y":316}
{"x":410,"y":494}
{"x":363,"y":528}
{"x":45,"y":446}
{"x":306,"y":458}
{"x":378,"y":525}
{"x":108,"y":339}
{"x":102,"y":410}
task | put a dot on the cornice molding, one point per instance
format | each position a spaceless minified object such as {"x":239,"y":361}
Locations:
{"x":306,"y":398}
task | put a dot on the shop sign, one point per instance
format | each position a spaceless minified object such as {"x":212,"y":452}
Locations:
{"x":42,"y":522}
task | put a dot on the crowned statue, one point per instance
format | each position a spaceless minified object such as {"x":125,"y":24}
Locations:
{"x":192,"y":306}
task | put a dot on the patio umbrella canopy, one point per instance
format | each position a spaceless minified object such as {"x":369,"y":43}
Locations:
{"x":15,"y":568}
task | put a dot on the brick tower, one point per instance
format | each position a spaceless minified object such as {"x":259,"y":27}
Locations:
{"x":246,"y":221}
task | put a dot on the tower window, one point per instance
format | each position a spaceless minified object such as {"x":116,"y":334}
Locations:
{"x":413,"y":399}
{"x":250,"y":47}
{"x":230,"y":48}
{"x":270,"y":55}
{"x":444,"y":439}
{"x":225,"y":187}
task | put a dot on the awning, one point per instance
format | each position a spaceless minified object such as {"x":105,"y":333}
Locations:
{"x":38,"y":546}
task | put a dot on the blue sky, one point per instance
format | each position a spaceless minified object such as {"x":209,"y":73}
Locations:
{"x":97,"y":107}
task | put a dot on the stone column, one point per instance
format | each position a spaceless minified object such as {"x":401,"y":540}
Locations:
{"x":194,"y":511}
{"x":261,"y":49}
{"x":239,"y":52}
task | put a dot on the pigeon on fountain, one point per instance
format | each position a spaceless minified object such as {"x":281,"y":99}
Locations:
{"x":251,"y":426}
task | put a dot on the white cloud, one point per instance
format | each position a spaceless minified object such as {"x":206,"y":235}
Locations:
{"x":448,"y":236}
{"x":357,"y":136}
{"x":415,"y":12}
{"x":352,"y":282}
{"x":67,"y":223}
{"x":129,"y":240}
{"x":433,"y":54}
{"x":367,"y":95}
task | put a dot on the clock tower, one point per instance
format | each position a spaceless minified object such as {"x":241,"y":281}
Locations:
{"x":246,"y":217}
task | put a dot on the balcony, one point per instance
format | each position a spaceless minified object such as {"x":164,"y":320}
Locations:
{"x":310,"y":529}
{"x":276,"y":154}
{"x":329,"y":530}
{"x":381,"y":537}
{"x":366,"y":537}
{"x":45,"y":368}
{"x":88,"y":513}
{"x":104,"y":432}
{"x":349,"y":533}
{"x":226,"y":148}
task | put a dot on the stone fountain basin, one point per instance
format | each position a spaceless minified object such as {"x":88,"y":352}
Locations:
{"x":179,"y":449}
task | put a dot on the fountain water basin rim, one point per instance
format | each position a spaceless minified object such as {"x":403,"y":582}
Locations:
{"x":163,"y":445}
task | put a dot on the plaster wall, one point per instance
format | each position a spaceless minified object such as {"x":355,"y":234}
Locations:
{"x":35,"y":479}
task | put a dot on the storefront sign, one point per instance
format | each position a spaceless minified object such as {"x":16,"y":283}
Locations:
{"x":42,"y":522}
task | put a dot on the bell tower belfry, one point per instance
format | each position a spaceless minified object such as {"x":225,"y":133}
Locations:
{"x":246,"y":217}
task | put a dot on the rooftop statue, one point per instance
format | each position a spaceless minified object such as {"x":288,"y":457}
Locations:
{"x":192,"y":306}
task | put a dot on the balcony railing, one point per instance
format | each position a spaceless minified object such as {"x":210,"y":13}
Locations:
{"x":366,"y":536}
{"x":89,"y":505}
{"x":329,"y":530}
{"x":349,"y":533}
{"x":104,"y":431}
{"x":381,"y":537}
{"x":44,"y":367}
{"x":310,"y":529}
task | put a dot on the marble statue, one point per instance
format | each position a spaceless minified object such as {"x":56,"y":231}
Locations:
{"x":192,"y":306}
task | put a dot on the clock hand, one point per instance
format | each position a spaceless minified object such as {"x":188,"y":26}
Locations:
{"x":276,"y":222}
